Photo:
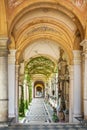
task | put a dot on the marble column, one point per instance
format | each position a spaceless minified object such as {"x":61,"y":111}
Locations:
{"x":25,"y":90}
{"x":83,"y":72}
{"x":3,"y":80}
{"x":17,"y":92}
{"x":77,"y":91}
{"x":84,"y":44}
{"x":11,"y":83}
{"x":71,"y":94}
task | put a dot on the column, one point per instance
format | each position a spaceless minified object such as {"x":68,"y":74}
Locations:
{"x":83,"y":71}
{"x":16,"y":93}
{"x":25,"y":89}
{"x":3,"y":80}
{"x":71,"y":94}
{"x":84,"y":44}
{"x":77,"y":97}
{"x":27,"y":94}
{"x":11,"y":83}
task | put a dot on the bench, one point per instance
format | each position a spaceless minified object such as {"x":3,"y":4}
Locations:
{"x":82,"y":121}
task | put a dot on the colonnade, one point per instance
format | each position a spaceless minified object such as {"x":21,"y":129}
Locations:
{"x":9,"y":83}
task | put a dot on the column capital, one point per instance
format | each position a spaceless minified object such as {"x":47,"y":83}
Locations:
{"x":12,"y":51}
{"x":11,"y":56}
{"x":3,"y":46}
{"x":84,"y":44}
{"x":77,"y":56}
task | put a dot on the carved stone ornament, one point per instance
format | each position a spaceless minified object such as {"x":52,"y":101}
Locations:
{"x":79,"y":3}
{"x":14,"y":3}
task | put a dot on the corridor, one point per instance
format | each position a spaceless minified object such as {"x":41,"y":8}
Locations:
{"x":39,"y":117}
{"x":37,"y":112}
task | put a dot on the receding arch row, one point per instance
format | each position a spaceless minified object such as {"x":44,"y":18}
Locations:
{"x":61,"y":32}
{"x":63,"y":44}
{"x":43,"y":55}
{"x":21,"y":22}
{"x":29,"y":5}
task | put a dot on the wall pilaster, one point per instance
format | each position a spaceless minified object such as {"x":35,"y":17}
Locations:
{"x":17,"y":92}
{"x":77,"y":89}
{"x":84,"y":44}
{"x":11,"y":82}
{"x":3,"y":80}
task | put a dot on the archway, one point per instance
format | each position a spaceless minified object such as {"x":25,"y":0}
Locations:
{"x":49,"y":25}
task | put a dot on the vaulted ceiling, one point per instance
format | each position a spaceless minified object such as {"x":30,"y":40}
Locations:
{"x":32,"y":23}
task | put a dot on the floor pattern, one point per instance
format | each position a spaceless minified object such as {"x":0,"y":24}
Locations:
{"x":45,"y":127}
{"x":37,"y":112}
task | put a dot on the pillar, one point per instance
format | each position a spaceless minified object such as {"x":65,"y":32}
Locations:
{"x":77,"y":97}
{"x":16,"y":93}
{"x":84,"y":44}
{"x":83,"y":71}
{"x":3,"y":80}
{"x":71,"y":94}
{"x":25,"y":90}
{"x":11,"y":83}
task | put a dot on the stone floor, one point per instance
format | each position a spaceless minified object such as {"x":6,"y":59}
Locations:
{"x":37,"y":113}
{"x":45,"y":127}
{"x":38,"y":117}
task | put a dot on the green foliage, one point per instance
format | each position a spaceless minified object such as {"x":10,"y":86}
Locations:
{"x":40,"y":65}
{"x":26,"y":104}
{"x":55,"y":117}
{"x":21,"y":103}
{"x":30,"y":93}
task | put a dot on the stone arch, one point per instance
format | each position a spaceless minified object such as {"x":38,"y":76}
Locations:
{"x":60,"y":42}
{"x":67,"y":41}
{"x":63,"y":6}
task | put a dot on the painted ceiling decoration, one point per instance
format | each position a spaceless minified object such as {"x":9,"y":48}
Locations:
{"x":60,"y":21}
{"x":40,"y":65}
{"x":14,"y":3}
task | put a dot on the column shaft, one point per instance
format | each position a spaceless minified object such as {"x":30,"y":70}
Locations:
{"x":11,"y":82}
{"x":3,"y":80}
{"x":71,"y":95}
{"x":77,"y":101}
{"x":16,"y":93}
{"x":85,"y":88}
{"x":84,"y":44}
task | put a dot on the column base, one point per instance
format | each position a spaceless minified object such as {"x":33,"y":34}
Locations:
{"x":76,"y":115}
{"x":85,"y":108}
{"x":3,"y":124}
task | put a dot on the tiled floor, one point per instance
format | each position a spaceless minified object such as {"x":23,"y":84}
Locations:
{"x":45,"y":127}
{"x":37,"y":119}
{"x":37,"y":112}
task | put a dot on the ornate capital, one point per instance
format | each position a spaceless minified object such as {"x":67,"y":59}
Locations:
{"x":84,"y":44}
{"x":3,"y":46}
{"x":12,"y":57}
{"x":77,"y":57}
